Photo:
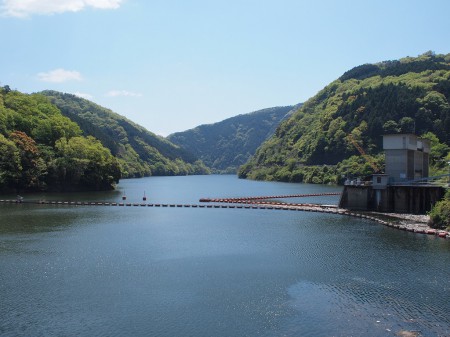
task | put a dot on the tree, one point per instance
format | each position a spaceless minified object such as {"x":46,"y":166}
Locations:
{"x":391,"y":127}
{"x":438,"y":150}
{"x":440,"y":214}
{"x":10,"y":167}
{"x":84,"y":162}
{"x":32,"y":166}
{"x":407,"y":125}
{"x":30,"y":126}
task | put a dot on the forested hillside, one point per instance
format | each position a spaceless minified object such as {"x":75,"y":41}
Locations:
{"x":139,"y":152}
{"x":226,"y":145}
{"x":410,"y":95}
{"x":41,"y":149}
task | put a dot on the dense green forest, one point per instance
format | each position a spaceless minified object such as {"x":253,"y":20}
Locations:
{"x":41,"y":149}
{"x":226,"y":145}
{"x":410,"y":95}
{"x":55,"y":141}
{"x":139,"y":151}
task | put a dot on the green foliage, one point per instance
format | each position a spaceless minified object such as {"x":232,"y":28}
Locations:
{"x":139,"y":152}
{"x":41,"y":149}
{"x":226,"y":145}
{"x":407,"y":125}
{"x":391,"y":127}
{"x":9,"y":163}
{"x":408,"y":95}
{"x":440,"y":214}
{"x":439,"y":155}
{"x":438,"y":150}
{"x":425,"y":62}
{"x":35,"y":116}
{"x":84,"y":161}
{"x":32,"y":167}
{"x":351,"y":168}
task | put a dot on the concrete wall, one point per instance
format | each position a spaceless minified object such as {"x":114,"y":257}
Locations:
{"x":406,"y":157}
{"x":403,"y":165}
{"x":414,"y":199}
{"x":426,"y":160}
{"x":401,"y":141}
{"x":410,"y":165}
{"x":396,"y":164}
{"x":418,"y":164}
{"x":396,"y":199}
{"x":355,"y":197}
{"x":364,"y":198}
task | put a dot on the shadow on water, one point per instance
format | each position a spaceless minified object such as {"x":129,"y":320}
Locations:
{"x":30,"y":217}
{"x":68,"y":196}
{"x":27,"y":219}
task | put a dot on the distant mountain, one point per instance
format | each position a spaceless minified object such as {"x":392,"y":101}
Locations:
{"x":410,"y":95}
{"x":139,"y":151}
{"x":226,"y":145}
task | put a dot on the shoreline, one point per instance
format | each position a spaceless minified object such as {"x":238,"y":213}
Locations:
{"x":417,"y":223}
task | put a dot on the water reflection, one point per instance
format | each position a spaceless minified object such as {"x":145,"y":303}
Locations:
{"x":144,"y":271}
{"x":27,"y":219}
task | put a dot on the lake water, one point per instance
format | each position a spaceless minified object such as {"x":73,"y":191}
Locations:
{"x":146,"y":271}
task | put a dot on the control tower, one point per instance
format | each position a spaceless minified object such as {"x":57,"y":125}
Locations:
{"x":396,"y":190}
{"x":407,"y":157}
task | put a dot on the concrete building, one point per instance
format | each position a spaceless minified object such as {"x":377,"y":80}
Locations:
{"x":394,"y":191}
{"x":407,"y":157}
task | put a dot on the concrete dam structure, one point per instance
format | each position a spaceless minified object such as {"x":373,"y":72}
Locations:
{"x":404,"y":187}
{"x":392,"y":199}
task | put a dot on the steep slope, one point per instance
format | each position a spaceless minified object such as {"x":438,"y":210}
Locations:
{"x":226,"y":145}
{"x":140,"y":152}
{"x":40,"y":149}
{"x":408,"y":95}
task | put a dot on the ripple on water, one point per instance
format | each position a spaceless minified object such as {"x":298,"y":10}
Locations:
{"x":354,"y":308}
{"x":109,"y":271}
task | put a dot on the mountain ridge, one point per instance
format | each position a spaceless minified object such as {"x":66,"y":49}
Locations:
{"x":408,"y":95}
{"x":141,"y":152}
{"x":224,"y":146}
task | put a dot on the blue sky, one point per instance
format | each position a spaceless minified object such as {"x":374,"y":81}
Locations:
{"x":175,"y":64}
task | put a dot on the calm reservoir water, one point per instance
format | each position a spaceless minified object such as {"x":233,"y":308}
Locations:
{"x":141,"y":271}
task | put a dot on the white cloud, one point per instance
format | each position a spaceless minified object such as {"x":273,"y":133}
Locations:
{"x":84,"y":95}
{"x":115,"y":93}
{"x":25,"y":8}
{"x":59,"y":76}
